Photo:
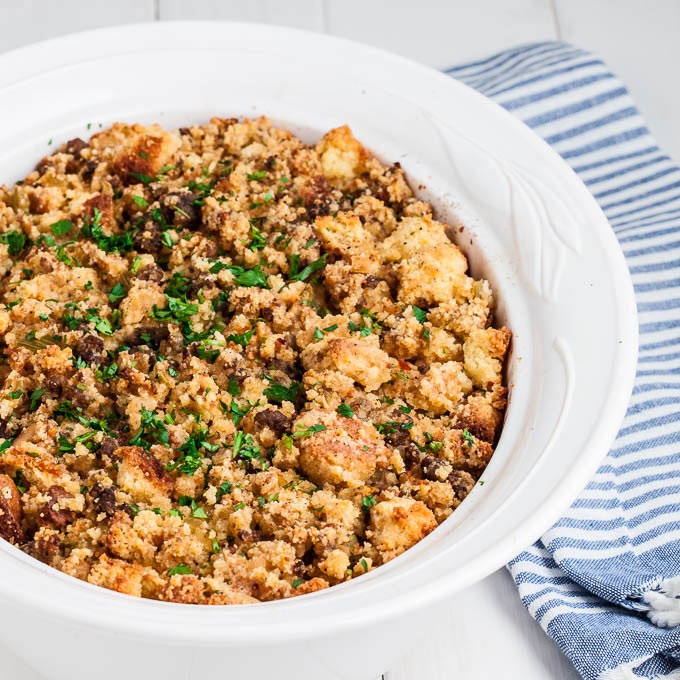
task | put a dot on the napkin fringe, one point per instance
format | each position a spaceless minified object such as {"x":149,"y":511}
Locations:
{"x":664,"y":603}
{"x":626,"y":671}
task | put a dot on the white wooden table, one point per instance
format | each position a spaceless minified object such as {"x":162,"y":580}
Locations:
{"x":489,"y":635}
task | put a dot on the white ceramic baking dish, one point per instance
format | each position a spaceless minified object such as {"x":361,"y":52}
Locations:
{"x":523,"y":218}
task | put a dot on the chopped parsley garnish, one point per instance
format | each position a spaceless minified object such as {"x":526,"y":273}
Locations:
{"x":260,"y":174}
{"x":61,"y":227}
{"x":258,"y":240}
{"x":15,"y":240}
{"x":152,"y":430}
{"x":140,"y":201}
{"x":345,"y":410}
{"x":178,"y":309}
{"x":180,"y":568}
{"x":143,"y":178}
{"x":218,"y":302}
{"x":223,"y":489}
{"x":117,"y":293}
{"x":210,"y":355}
{"x":35,"y":398}
{"x":105,"y":373}
{"x":103,"y":326}
{"x":249,"y":277}
{"x":199,"y":513}
{"x":391,"y":426}
{"x":68,"y":411}
{"x":308,"y":270}
{"x":191,"y":459}
{"x":16,"y":394}
{"x":277,"y":393}
{"x":367,"y":502}
{"x":468,"y":438}
{"x":232,"y":387}
{"x":178,"y":285}
{"x":243,"y":277}
{"x":241,"y":338}
{"x":121,"y":243}
{"x":234,"y":411}
{"x":308,"y":431}
{"x":297,"y":582}
{"x":419,"y":313}
{"x":166,"y":239}
{"x":244,"y":447}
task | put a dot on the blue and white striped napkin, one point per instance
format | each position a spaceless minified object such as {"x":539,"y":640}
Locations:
{"x":604,"y":582}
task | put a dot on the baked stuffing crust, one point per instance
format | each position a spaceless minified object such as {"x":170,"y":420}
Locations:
{"x":236,"y":367}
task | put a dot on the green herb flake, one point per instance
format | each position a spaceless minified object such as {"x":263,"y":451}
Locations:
{"x":277,"y":393}
{"x":179,"y":569}
{"x":345,"y":410}
{"x":310,"y":269}
{"x":62,"y":227}
{"x":241,"y":338}
{"x":419,"y":313}
{"x":199,"y":513}
{"x":260,"y":174}
{"x":35,"y":397}
{"x":117,"y":293}
{"x":232,"y":387}
{"x":367,"y":502}
{"x":308,"y":431}
{"x":144,"y":179}
{"x":15,"y":240}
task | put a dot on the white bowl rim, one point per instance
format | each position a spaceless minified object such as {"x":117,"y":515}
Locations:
{"x":312,"y":615}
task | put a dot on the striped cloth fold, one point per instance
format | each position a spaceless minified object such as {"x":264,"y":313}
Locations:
{"x":604,"y":582}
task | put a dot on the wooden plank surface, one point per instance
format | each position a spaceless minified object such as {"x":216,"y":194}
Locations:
{"x":27,"y":21}
{"x":441,"y":33}
{"x":306,"y":14}
{"x":641,"y":42}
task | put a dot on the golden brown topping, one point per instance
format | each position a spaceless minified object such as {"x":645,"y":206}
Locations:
{"x":10,"y":511}
{"x":398,"y":524}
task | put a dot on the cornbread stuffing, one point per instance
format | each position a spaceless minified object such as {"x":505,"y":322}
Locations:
{"x":235,"y":367}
